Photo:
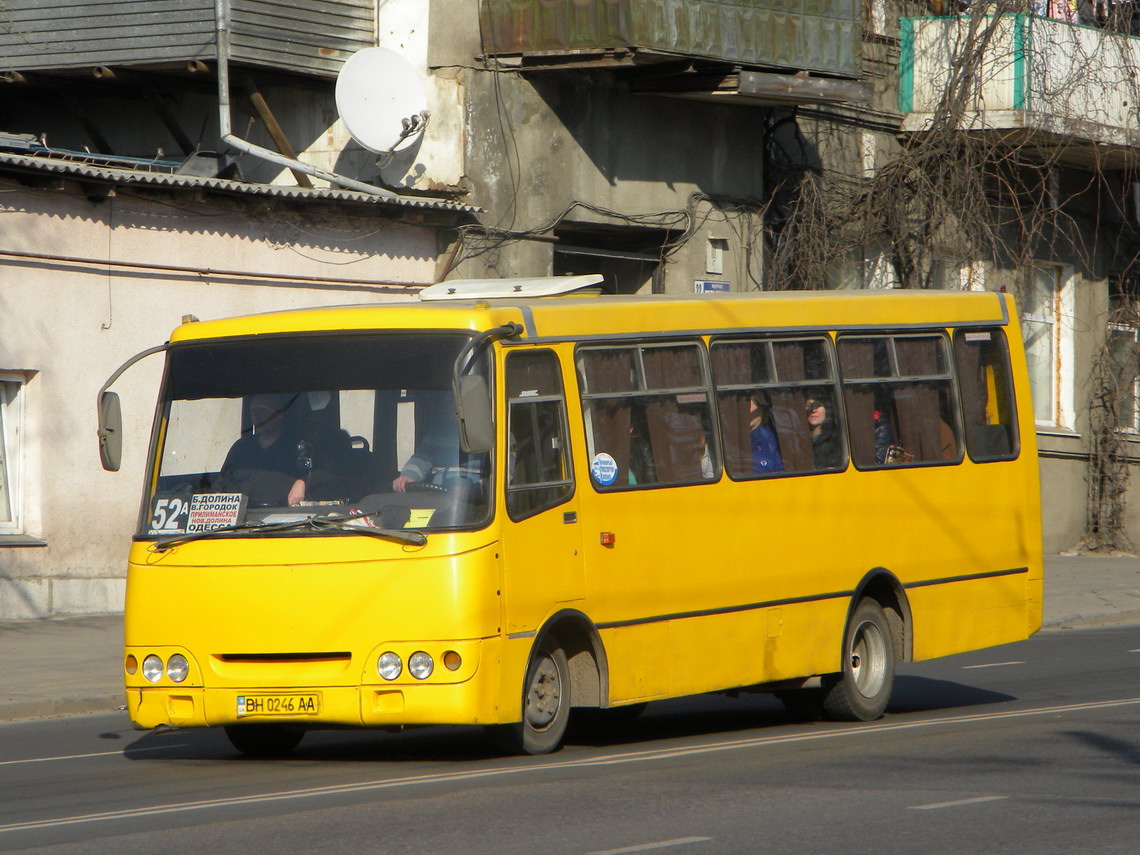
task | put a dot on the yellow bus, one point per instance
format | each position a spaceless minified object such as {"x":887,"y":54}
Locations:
{"x":497,"y":504}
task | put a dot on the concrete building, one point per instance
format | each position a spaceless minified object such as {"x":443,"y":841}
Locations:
{"x":197,"y":157}
{"x":127,"y":204}
{"x":1052,"y":101}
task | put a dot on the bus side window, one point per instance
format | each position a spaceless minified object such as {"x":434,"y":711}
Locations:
{"x":982,"y":358}
{"x":898,"y":392}
{"x":764,"y":389}
{"x":648,"y":415}
{"x":538,"y":466}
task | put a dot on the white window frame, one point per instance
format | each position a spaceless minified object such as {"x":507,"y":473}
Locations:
{"x":12,"y":386}
{"x":971,"y":275}
{"x":1126,"y":331}
{"x":1057,"y":313}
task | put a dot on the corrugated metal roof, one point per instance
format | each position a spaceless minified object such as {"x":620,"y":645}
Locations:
{"x":307,"y":36}
{"x":141,"y":178}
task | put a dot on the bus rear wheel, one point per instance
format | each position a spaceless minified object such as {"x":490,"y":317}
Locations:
{"x":861,"y":691}
{"x":264,"y":740}
{"x":546,"y":706}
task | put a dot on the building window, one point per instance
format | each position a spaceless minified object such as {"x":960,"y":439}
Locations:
{"x":629,"y":259}
{"x":1046,"y":323}
{"x":11,"y":433}
{"x":1123,"y":335}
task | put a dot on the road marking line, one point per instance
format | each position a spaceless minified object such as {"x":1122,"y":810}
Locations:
{"x":645,"y":847}
{"x":978,"y":800}
{"x":991,"y":665}
{"x":119,"y":753}
{"x":649,"y":755}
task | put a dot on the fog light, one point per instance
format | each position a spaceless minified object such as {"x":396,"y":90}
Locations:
{"x":131,"y":664}
{"x":452,"y":660}
{"x":152,"y":668}
{"x":420,"y":665}
{"x":177,"y":668}
{"x":389,"y":666}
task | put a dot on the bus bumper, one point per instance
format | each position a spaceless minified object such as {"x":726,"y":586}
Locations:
{"x":473,"y":700}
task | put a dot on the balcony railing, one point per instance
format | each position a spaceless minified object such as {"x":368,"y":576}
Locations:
{"x":1024,"y":79}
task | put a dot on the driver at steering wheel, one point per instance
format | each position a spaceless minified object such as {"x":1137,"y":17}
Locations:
{"x":439,"y":450}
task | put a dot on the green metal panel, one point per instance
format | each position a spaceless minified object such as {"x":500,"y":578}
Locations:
{"x":906,"y":65}
{"x":1022,"y":47}
{"x":814,"y":35}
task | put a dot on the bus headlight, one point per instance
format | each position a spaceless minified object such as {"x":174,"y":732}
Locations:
{"x":420,"y":665}
{"x":152,"y":668}
{"x":177,"y":668}
{"x":389,"y":665}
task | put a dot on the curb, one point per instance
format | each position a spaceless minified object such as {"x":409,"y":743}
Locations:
{"x":1091,"y":621}
{"x":41,"y":708}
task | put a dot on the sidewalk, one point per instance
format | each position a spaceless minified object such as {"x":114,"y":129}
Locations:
{"x":72,"y":665}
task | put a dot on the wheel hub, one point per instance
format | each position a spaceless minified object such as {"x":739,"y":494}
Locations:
{"x":545,"y":696}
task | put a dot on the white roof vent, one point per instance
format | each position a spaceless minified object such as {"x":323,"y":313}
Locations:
{"x":499,"y":289}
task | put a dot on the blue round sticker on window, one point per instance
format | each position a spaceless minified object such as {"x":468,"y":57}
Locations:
{"x":603,"y":468}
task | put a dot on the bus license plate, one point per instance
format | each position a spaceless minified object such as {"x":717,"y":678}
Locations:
{"x":299,"y":704}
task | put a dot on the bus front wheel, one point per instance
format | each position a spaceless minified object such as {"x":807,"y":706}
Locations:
{"x":546,"y":706}
{"x":861,"y":691}
{"x":264,"y":740}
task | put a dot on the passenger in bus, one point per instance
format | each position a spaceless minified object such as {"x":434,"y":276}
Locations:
{"x":762,"y":438}
{"x":270,"y":462}
{"x":884,"y":436}
{"x":824,"y":437}
{"x":641,"y":467}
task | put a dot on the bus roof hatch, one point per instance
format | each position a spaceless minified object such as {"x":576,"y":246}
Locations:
{"x":492,"y":289}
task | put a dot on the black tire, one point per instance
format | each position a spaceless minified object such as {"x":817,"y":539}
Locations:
{"x":546,"y":706}
{"x":861,"y":691}
{"x":264,"y":740}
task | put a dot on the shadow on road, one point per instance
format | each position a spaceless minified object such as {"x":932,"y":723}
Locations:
{"x":681,"y":718}
{"x":922,"y":694}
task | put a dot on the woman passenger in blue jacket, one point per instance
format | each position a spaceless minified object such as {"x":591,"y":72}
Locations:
{"x":762,"y":439}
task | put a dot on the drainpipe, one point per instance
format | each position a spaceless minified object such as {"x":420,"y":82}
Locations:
{"x":222,"y":14}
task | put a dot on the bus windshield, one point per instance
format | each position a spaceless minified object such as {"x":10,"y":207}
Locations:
{"x":257,"y":433}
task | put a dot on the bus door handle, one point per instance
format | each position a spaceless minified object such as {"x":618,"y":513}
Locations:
{"x":569,"y":517}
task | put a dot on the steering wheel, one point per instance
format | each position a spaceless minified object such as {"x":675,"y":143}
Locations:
{"x":425,"y":487}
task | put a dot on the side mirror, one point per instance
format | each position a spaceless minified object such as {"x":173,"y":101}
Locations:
{"x":473,"y":407}
{"x":110,"y":431}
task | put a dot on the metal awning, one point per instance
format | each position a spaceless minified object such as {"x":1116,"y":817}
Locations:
{"x":124,"y":177}
{"x":755,"y":88}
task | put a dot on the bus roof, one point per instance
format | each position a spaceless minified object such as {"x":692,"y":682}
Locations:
{"x":579,"y":318}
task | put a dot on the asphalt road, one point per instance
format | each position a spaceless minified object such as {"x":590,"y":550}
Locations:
{"x":1032,"y":747}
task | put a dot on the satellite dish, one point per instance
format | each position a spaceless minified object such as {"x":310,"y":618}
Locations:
{"x":381,"y":98}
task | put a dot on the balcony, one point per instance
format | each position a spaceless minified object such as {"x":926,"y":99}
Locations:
{"x":754,"y":51}
{"x":1058,"y":90}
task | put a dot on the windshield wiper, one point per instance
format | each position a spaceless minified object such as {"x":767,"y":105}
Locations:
{"x":315,"y":522}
